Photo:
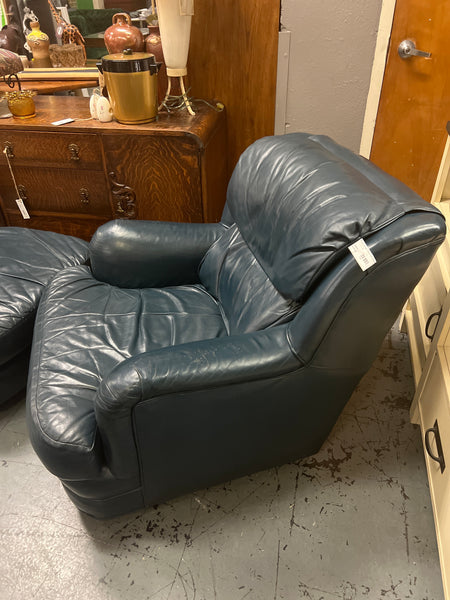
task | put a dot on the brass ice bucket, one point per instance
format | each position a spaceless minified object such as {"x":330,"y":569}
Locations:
{"x":131,"y":81}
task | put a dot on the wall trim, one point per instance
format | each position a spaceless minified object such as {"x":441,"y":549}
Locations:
{"x":376,"y":79}
{"x":284,"y":42}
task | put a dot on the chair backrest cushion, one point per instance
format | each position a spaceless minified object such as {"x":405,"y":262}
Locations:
{"x":248,"y":299}
{"x":295,"y":203}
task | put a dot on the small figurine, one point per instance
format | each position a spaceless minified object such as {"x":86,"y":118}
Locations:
{"x":39,"y":43}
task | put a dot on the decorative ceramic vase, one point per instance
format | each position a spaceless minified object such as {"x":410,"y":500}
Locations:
{"x":39,"y":43}
{"x":153,"y":46}
{"x":122,"y":35}
{"x":11,"y":38}
{"x":21,"y":104}
{"x":10,"y":62}
{"x":10,"y":65}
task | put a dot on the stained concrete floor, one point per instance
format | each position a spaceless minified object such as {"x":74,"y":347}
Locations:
{"x":353,"y":522}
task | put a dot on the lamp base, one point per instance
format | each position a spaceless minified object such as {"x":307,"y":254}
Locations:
{"x":176,"y":102}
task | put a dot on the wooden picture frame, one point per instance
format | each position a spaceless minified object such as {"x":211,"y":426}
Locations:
{"x":59,"y":74}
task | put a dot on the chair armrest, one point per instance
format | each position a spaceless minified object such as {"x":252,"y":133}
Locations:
{"x":170,"y":372}
{"x":150,"y":253}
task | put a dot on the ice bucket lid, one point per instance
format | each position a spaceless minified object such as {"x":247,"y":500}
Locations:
{"x":130,"y":62}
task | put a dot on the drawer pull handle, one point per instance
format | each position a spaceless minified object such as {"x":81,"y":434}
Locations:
{"x":437,"y":316}
{"x":125,"y":198}
{"x":9,"y":150}
{"x":74,"y":150}
{"x":23,"y":192}
{"x":440,"y":455}
{"x":84,"y":193}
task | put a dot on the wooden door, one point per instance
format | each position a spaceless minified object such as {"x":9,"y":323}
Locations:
{"x":410,"y":130}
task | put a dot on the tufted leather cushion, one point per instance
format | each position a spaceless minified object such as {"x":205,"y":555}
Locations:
{"x":28,"y":261}
{"x":231,"y":273}
{"x":336,"y":196}
{"x":91,"y":326}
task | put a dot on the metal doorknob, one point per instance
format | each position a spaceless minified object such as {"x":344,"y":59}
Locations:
{"x":407,"y":48}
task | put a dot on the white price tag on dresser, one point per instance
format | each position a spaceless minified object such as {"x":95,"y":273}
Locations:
{"x":22,"y":208}
{"x":362,"y":254}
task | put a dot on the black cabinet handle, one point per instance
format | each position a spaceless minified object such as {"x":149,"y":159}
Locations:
{"x":436,"y":315}
{"x":440,"y":455}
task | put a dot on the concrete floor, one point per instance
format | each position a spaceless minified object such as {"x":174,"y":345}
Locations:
{"x":353,"y":522}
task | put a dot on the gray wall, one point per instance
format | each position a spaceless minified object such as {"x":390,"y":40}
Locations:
{"x":331,"y":54}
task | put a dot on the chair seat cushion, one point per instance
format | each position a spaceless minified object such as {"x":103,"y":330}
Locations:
{"x":28,"y":261}
{"x":85,"y":328}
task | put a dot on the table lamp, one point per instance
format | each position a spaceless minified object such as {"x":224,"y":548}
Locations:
{"x":174,"y":18}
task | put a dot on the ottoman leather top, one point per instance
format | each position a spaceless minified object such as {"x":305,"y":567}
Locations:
{"x":28,"y":261}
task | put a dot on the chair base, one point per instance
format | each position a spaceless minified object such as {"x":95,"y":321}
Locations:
{"x":13,"y":377}
{"x":108,"y":508}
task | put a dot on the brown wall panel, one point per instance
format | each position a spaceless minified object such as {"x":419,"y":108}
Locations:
{"x":233,"y":58}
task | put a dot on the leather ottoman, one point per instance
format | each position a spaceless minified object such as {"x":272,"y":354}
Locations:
{"x":28,"y":261}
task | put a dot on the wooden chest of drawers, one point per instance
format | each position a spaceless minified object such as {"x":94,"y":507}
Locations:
{"x":74,"y":177}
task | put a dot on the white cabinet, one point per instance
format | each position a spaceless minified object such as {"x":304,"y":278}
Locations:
{"x":434,"y":411}
{"x":427,"y":317}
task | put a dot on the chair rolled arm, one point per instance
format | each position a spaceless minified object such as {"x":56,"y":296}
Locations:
{"x":212,"y":364}
{"x":150,"y":253}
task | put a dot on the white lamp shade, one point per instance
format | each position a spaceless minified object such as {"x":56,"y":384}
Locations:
{"x":175,"y":30}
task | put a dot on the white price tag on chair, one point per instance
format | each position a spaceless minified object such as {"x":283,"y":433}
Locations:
{"x":362,"y":254}
{"x":22,"y":208}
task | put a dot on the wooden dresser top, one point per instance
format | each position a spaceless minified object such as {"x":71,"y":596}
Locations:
{"x":56,"y":108}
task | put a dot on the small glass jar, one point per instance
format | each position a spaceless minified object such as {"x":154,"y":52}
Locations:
{"x":21,"y":104}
